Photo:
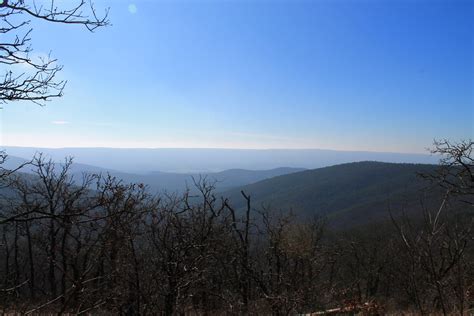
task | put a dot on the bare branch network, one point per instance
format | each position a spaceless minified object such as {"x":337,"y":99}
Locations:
{"x":25,"y":77}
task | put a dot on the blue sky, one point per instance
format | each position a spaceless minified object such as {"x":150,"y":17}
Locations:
{"x":350,"y":75}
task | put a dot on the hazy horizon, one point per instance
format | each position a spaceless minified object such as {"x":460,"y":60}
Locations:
{"x":213,"y":159}
{"x":424,"y":151}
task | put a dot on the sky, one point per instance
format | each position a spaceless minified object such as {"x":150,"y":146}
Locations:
{"x":347,"y":75}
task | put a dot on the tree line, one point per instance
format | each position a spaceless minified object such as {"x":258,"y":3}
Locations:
{"x":97,"y":244}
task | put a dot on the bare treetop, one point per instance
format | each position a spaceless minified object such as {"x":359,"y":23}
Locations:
{"x":38,"y":83}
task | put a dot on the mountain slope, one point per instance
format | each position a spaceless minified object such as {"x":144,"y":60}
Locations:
{"x":348,"y":193}
{"x":168,"y":181}
{"x":224,"y":180}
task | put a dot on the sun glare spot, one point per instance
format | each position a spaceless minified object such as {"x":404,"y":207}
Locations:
{"x":132,"y":8}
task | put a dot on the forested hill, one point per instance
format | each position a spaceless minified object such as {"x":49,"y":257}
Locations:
{"x":165,"y":181}
{"x":348,"y":193}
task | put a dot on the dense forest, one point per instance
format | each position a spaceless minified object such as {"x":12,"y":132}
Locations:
{"x":98,"y":244}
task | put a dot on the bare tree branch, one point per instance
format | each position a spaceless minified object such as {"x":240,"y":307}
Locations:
{"x":30,"y":78}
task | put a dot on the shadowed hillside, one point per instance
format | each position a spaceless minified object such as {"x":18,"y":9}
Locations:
{"x":348,"y":193}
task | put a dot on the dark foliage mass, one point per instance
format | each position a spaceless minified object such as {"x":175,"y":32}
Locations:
{"x":96,"y":244}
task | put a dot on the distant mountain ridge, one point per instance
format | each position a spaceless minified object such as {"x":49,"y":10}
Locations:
{"x":348,"y":193}
{"x":185,"y":160}
{"x":178,"y":182}
{"x":159,"y":181}
{"x":12,"y":162}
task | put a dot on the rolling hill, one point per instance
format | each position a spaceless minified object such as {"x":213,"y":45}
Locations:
{"x":347,"y":193}
{"x":224,"y":180}
{"x":169,"y":181}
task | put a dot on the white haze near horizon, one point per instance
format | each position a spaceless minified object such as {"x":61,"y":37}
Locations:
{"x":184,"y":160}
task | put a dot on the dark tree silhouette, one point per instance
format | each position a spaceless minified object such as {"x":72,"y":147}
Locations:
{"x":37,"y":82}
{"x":456,"y":172}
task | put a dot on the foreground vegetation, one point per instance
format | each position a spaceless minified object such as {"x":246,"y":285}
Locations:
{"x":97,"y":244}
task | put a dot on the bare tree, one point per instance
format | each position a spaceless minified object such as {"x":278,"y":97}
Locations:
{"x":291,"y":263}
{"x":437,"y":248}
{"x":37,"y":82}
{"x":456,"y":170}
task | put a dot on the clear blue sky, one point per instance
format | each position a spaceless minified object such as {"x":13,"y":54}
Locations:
{"x":352,"y":75}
